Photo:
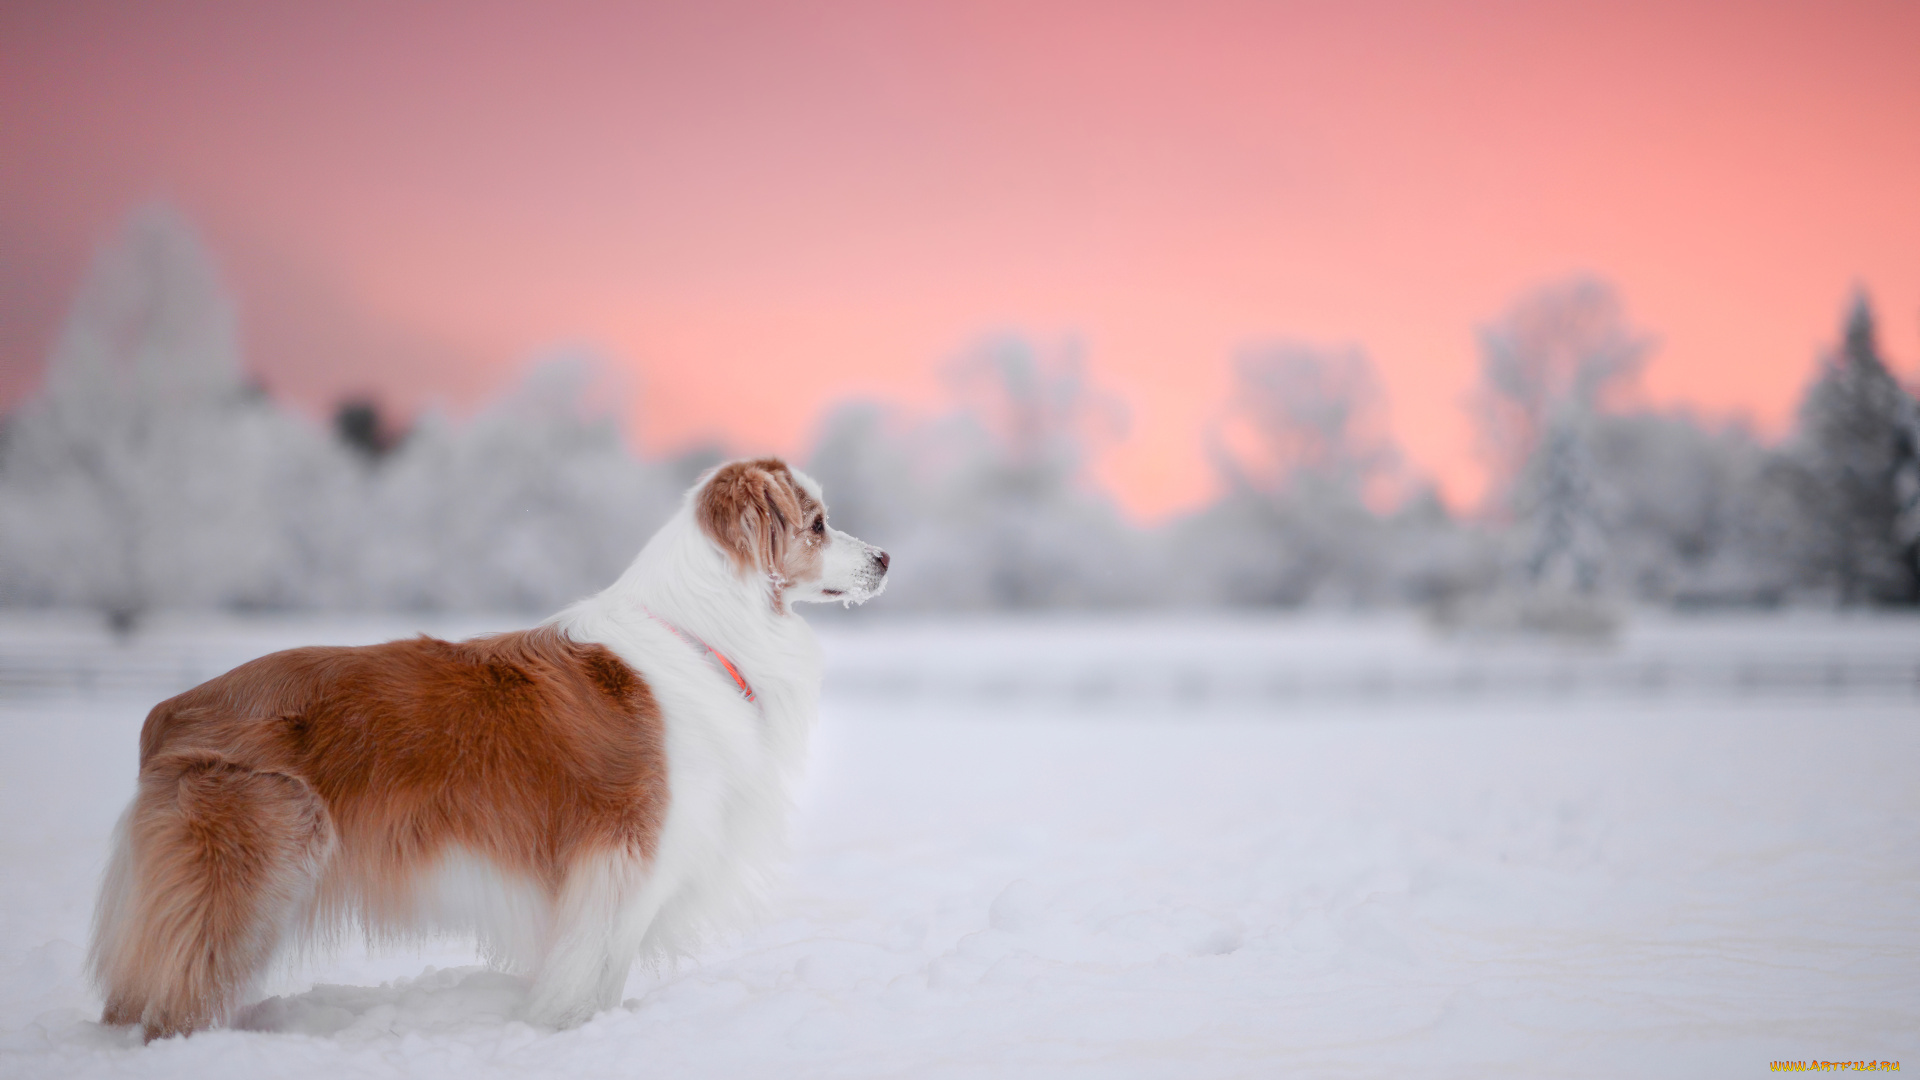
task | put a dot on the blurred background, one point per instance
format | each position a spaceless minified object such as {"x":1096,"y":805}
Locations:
{"x":1517,"y":315}
{"x":1405,"y":515}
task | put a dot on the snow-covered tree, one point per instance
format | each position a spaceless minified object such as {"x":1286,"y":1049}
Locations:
{"x":988,"y":505}
{"x":1300,"y":449}
{"x":1549,"y":367}
{"x":1858,"y":455}
{"x":1302,"y":416}
{"x":1016,"y":522}
{"x":865,"y":458}
{"x":533,"y":503}
{"x":149,"y":470}
{"x":1694,"y":513}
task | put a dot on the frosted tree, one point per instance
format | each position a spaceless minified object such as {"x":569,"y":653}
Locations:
{"x":1016,"y":523}
{"x":1858,"y":452}
{"x":1549,"y":367}
{"x":1301,"y":448}
{"x":1302,"y":416}
{"x":1694,"y":513}
{"x":988,"y":505}
{"x":1035,"y":416}
{"x":534,"y":503}
{"x":865,"y":458}
{"x":148,"y":470}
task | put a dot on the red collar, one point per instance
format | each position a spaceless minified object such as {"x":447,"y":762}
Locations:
{"x":739,"y":680}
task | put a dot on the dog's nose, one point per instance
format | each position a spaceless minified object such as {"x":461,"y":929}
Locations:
{"x":883,"y":559}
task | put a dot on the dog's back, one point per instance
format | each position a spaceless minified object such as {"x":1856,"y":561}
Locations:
{"x":327,"y":783}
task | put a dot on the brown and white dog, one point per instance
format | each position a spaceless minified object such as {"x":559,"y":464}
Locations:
{"x":606,"y":786}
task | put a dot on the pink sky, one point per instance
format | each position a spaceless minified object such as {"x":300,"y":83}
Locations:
{"x":764,"y":208}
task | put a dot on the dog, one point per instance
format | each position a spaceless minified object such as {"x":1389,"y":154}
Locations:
{"x":610,"y":785}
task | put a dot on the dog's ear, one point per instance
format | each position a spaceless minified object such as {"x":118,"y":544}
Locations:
{"x":750,"y":509}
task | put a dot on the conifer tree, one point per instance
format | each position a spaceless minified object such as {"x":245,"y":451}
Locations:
{"x":1859,"y":457}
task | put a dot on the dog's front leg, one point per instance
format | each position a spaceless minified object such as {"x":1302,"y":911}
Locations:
{"x":603,"y":915}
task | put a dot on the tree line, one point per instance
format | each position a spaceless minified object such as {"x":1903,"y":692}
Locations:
{"x":149,"y":472}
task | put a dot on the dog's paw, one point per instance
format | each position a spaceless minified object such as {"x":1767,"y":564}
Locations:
{"x":559,"y":1015}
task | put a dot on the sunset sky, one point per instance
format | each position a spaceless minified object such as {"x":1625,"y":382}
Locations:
{"x":762,"y":208}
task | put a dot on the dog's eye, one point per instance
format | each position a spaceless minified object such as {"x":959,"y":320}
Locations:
{"x":819,"y":524}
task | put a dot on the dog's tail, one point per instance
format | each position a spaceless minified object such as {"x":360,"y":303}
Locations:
{"x":212,"y":865}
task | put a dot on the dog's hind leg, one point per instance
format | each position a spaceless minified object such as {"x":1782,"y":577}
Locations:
{"x":602,"y":916}
{"x":213,"y":864}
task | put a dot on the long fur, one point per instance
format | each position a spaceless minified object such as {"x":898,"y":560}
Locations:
{"x":575,"y":796}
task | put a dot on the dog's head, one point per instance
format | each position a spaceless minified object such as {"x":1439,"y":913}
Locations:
{"x":770,"y":520}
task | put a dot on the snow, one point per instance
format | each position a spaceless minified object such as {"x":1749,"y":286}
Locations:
{"x":995,"y":873}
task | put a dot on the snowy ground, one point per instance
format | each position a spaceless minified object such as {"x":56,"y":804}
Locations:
{"x":1200,"y":847}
